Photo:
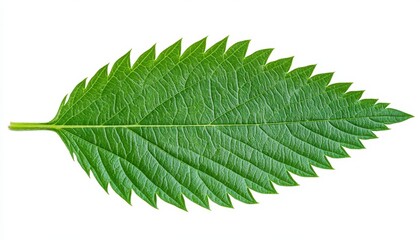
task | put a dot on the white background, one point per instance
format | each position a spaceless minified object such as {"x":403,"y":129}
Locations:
{"x":47,"y":47}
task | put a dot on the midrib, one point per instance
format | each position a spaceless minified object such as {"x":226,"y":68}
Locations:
{"x":48,"y":126}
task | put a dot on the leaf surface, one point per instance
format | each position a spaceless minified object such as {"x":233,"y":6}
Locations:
{"x":209,"y":123}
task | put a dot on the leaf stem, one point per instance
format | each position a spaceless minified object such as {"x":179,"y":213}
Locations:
{"x":24,"y":126}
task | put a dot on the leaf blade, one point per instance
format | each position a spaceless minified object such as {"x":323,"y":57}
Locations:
{"x":209,"y":124}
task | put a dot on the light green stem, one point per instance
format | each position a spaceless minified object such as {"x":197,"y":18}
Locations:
{"x":24,"y":126}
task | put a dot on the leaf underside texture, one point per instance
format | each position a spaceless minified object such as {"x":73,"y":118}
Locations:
{"x":209,"y":123}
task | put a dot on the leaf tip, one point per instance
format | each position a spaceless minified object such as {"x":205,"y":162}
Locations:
{"x":408,"y":116}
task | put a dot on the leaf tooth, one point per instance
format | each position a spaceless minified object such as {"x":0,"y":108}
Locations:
{"x":108,"y":160}
{"x":272,"y":169}
{"x":96,"y":167}
{"x":259,"y":57}
{"x":367,"y":123}
{"x":300,"y":143}
{"x":258,"y":183}
{"x":80,"y":93}
{"x":171,"y":53}
{"x":313,"y":170}
{"x":102,"y":180}
{"x":170,"y":194}
{"x":237,"y":50}
{"x":344,"y":153}
{"x":203,"y":202}
{"x":279,"y":169}
{"x":218,"y":49}
{"x":196,"y":48}
{"x":281,"y":66}
{"x":291,"y":182}
{"x":251,"y":197}
{"x":100,"y":77}
{"x":302,"y":74}
{"x":327,"y":164}
{"x":178,"y":202}
{"x":125,"y":194}
{"x":104,"y":185}
{"x":238,"y":191}
{"x":104,"y":163}
{"x":69,"y":146}
{"x":381,"y":105}
{"x":350,"y":128}
{"x":121,"y":65}
{"x":368,"y":102}
{"x":329,"y":131}
{"x":306,"y":133}
{"x":217,"y":191}
{"x":166,"y":158}
{"x":268,"y":189}
{"x":60,"y":109}
{"x":339,"y":88}
{"x":142,"y":186}
{"x":308,"y":172}
{"x":246,"y":197}
{"x":357,"y":145}
{"x":330,"y":145}
{"x":178,"y":183}
{"x":323,"y":78}
{"x":293,"y":161}
{"x":152,"y":201}
{"x":146,"y":58}
{"x":354,"y":95}
{"x":76,"y":94}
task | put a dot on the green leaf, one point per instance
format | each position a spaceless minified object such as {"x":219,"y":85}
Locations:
{"x":206,"y":124}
